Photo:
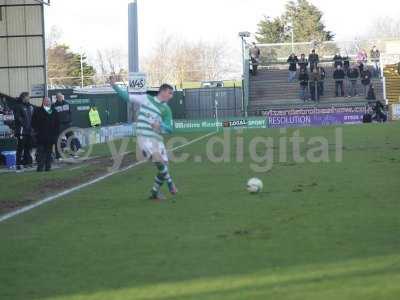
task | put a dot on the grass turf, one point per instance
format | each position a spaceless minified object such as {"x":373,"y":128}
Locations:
{"x":318,"y":231}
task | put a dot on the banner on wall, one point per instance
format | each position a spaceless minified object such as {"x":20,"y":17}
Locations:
{"x":211,"y":124}
{"x":315,"y":117}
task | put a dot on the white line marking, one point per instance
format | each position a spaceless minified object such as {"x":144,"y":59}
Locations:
{"x":84,"y":185}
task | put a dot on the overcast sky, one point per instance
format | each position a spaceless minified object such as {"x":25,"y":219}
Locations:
{"x":100,"y":24}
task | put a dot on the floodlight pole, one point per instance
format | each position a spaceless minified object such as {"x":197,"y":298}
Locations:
{"x":82,"y":80}
{"x":133,"y":37}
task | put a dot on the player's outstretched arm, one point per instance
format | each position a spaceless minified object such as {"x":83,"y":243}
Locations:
{"x":125,"y":96}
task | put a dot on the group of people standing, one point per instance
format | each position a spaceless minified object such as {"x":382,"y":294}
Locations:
{"x":313,"y":80}
{"x":312,"y":76}
{"x":41,"y":126}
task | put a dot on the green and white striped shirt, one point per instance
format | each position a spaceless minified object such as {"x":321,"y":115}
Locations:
{"x":151,"y":111}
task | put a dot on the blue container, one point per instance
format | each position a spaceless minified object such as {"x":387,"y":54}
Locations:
{"x":11,"y":159}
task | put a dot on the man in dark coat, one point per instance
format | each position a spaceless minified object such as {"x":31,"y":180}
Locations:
{"x":303,"y":79}
{"x":353,"y":75}
{"x":64,"y":111}
{"x":292,"y":61}
{"x":46,"y":124}
{"x":337,"y":60}
{"x":23,"y":112}
{"x":313,"y":59}
{"x":303,"y":62}
{"x":366,"y":80}
{"x":339,"y":76}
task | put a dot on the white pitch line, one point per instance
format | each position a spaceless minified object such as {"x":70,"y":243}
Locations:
{"x":89,"y":183}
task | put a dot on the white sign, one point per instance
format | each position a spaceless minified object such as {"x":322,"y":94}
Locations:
{"x":396,"y":111}
{"x":37,"y":91}
{"x":137,"y":82}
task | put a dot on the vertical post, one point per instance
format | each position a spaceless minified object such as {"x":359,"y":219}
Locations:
{"x":292,"y":39}
{"x":133,"y":37}
{"x":45,"y":63}
{"x":244,"y":106}
{"x":82,"y":79}
{"x":133,"y":44}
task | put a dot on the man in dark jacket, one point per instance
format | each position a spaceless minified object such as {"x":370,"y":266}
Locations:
{"x":64,"y":111}
{"x":303,"y":79}
{"x":346,"y":64}
{"x":303,"y":62}
{"x":46,"y":124}
{"x":353,"y":75}
{"x":337,"y":60}
{"x":292,"y":61}
{"x":339,"y":76}
{"x":366,"y":80}
{"x":313,"y":59}
{"x":315,"y":78}
{"x":23,"y":112}
{"x":321,"y":83}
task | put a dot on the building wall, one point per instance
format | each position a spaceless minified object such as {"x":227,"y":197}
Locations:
{"x":22,"y":56}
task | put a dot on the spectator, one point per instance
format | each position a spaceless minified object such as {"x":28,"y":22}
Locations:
{"x":375,"y":59}
{"x":366,"y":80}
{"x":292,"y":61}
{"x":338,"y":60}
{"x":46,"y":123}
{"x":361,"y":67}
{"x":23,"y":112}
{"x":353,"y":75}
{"x":94,"y":117}
{"x":379,"y":110}
{"x":315,"y":78}
{"x":303,"y":79}
{"x":371,"y":93}
{"x":313,"y":59}
{"x":321,"y":83}
{"x":64,"y":112}
{"x":303,"y":63}
{"x":339,"y":76}
{"x":346,"y":64}
{"x":255,"y":54}
{"x":362,"y":57}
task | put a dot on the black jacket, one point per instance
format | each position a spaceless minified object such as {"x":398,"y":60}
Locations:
{"x":366,"y":77}
{"x":303,"y":79}
{"x":46,"y":126}
{"x":338,"y":61}
{"x":353,"y":74}
{"x":339,"y":75}
{"x":292,"y":61}
{"x":322,"y":73}
{"x":303,"y":64}
{"x":23,"y":118}
{"x":313,"y":59}
{"x":64,"y":111}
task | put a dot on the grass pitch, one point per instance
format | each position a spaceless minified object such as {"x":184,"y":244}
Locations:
{"x":318,"y":231}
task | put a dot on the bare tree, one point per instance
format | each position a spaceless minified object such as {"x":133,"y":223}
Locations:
{"x":179,"y":61}
{"x":385,"y":28}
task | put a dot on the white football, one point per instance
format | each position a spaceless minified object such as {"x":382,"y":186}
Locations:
{"x":254,"y":185}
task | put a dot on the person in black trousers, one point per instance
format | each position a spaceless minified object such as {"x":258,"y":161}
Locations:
{"x":64,"y":111}
{"x":46,"y":124}
{"x":366,"y":77}
{"x":23,"y":112}
{"x":313,"y":59}
{"x":321,"y":83}
{"x":339,"y":76}
{"x":303,"y":79}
